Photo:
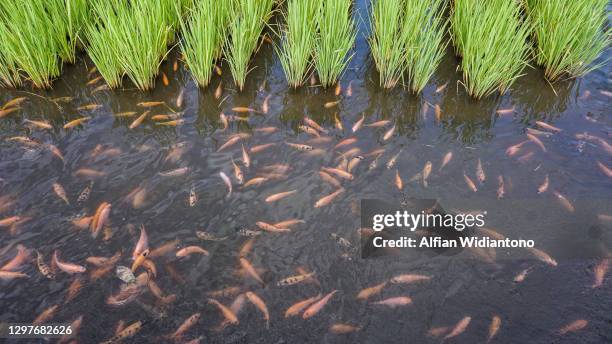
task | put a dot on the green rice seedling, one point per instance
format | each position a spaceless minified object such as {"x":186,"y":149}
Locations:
{"x":569,"y":35}
{"x":30,"y":40}
{"x":203,"y":37}
{"x":244,"y":30}
{"x":9,"y":73}
{"x":423,"y":36}
{"x":69,"y":17}
{"x":385,"y":42}
{"x":336,"y":37}
{"x":491,"y":39}
{"x":130,"y":38}
{"x":298,"y":39}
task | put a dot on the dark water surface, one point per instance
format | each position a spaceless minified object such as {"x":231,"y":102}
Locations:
{"x":532,"y":311}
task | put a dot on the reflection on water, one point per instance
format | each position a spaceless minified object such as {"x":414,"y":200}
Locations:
{"x":123,"y":167}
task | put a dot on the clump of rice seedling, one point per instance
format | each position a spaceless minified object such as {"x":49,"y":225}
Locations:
{"x":9,"y":74}
{"x":423,"y":35}
{"x":569,"y":35}
{"x":244,"y":30}
{"x":298,"y":39}
{"x":29,"y":40}
{"x":389,"y":54}
{"x":69,"y":17}
{"x":130,"y":38}
{"x":336,"y":37}
{"x":491,"y":38}
{"x":204,"y":35}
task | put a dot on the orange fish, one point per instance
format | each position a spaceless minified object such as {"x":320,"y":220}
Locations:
{"x":46,"y":315}
{"x":185,"y":326}
{"x":227,"y":313}
{"x":100,"y":218}
{"x":600,"y":271}
{"x":69,"y":268}
{"x":371,"y":291}
{"x":323,"y":201}
{"x":186,"y":251}
{"x":246,"y":265}
{"x":470,"y":183}
{"x":394,"y":301}
{"x":278,"y":196}
{"x":316,"y":307}
{"x":409,"y":278}
{"x":574,"y":326}
{"x":296,"y":308}
{"x":343,"y":328}
{"x":76,"y":122}
{"x":459,"y":328}
{"x":260,"y":304}
{"x":564,"y":202}
{"x":138,"y":121}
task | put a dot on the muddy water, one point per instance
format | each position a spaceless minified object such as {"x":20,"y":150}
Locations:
{"x":532,"y":311}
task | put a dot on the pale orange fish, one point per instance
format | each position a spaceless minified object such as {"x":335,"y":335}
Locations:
{"x":389,"y":133}
{"x":46,"y":315}
{"x":358,"y":124}
{"x":512,"y":150}
{"x":142,"y":245}
{"x":150,"y":104}
{"x":494,"y":327}
{"x":248,"y":267}
{"x":350,"y":153}
{"x":60,"y":192}
{"x":544,"y":186}
{"x":255,"y":181}
{"x":393,"y":302}
{"x":224,"y":120}
{"x":353,"y":163}
{"x":537,"y":141}
{"x":229,"y":315}
{"x":393,"y":160}
{"x":100,"y":88}
{"x":246,"y":159}
{"x":316,"y":307}
{"x":326,"y":200}
{"x":89,"y":107}
{"x":501,"y":188}
{"x":271,"y":228}
{"x":260,"y":304}
{"x":266,"y":130}
{"x":39,"y":124}
{"x":605,"y":169}
{"x":349,"y":89}
{"x":172,"y":123}
{"x":189,"y":250}
{"x":83,"y":222}
{"x":526,"y":157}
{"x":459,"y":328}
{"x":6,"y":112}
{"x":506,"y":111}
{"x":125,"y":114}
{"x":76,"y":122}
{"x":329,"y":179}
{"x":165,"y":80}
{"x":600,"y":271}
{"x":185,"y":326}
{"x":574,"y":326}
{"x":437,"y":331}
{"x":426,"y":172}
{"x":438,"y":112}
{"x":94,"y":80}
{"x":543,"y":256}
{"x":242,"y":109}
{"x":520,"y":277}
{"x":127,"y":332}
{"x":265,"y":107}
{"x":13,"y":102}
{"x":219,"y":91}
{"x":227,"y":182}
{"x":371,"y":291}
{"x":100,"y":218}
{"x":547,"y":126}
{"x":338,"y":122}
{"x":9,"y":275}
{"x":441,"y":87}
{"x":296,"y":308}
{"x":606,"y":93}
{"x":298,"y":146}
{"x":246,"y":248}
{"x":338,"y":172}
{"x":9,"y":221}
{"x":345,"y":142}
{"x":330,"y":105}
{"x":180,"y":98}
{"x":378,"y":124}
{"x":288,"y":223}
{"x":343,"y":328}
{"x":338,"y":89}
{"x":564,"y":202}
{"x":75,"y":325}
{"x":238,"y":173}
{"x":66,"y":267}
{"x":278,"y":196}
{"x":261,"y":148}
{"x":398,"y":180}
{"x":104,"y":261}
{"x":409,"y":278}
{"x":55,"y":151}
{"x":469,"y":183}
{"x":480,"y":173}
{"x":225,"y":292}
{"x":21,"y":257}
{"x":139,"y":120}
{"x":309,"y":130}
{"x":230,"y":142}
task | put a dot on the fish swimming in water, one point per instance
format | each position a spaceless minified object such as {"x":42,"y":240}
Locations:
{"x":316,"y":307}
{"x":260,"y":304}
{"x":67,"y":267}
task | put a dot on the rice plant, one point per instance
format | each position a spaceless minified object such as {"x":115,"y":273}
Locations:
{"x":29,"y":40}
{"x":336,"y":37}
{"x":204,"y":35}
{"x":298,"y":39}
{"x":69,"y":17}
{"x":423,"y":35}
{"x":9,"y":73}
{"x":569,"y":35}
{"x":131,"y":38}
{"x":388,"y":53}
{"x":244,"y":30}
{"x":491,"y":39}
